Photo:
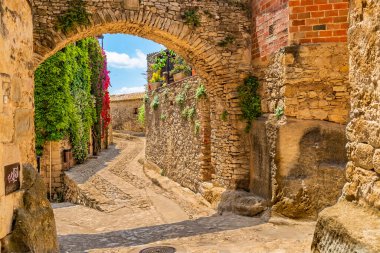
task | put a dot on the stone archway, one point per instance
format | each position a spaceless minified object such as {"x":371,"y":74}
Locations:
{"x":219,"y":49}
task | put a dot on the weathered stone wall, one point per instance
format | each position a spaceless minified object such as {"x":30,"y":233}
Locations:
{"x":173,"y":141}
{"x":58,"y":166}
{"x":16,"y":98}
{"x":223,"y":65}
{"x":363,"y":131}
{"x":124,"y":111}
{"x":297,"y":165}
{"x":27,"y":212}
{"x":353,"y":224}
{"x":308,"y":81}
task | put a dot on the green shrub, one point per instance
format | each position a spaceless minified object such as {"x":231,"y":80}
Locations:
{"x":279,"y":112}
{"x":192,"y":18}
{"x":250,"y":103}
{"x":197,"y":127}
{"x":200,"y":92}
{"x":229,"y":39}
{"x":224,"y":115}
{"x":180,"y":99}
{"x":141,"y":115}
{"x":75,"y":15}
{"x":155,"y":103}
{"x":163,"y":117}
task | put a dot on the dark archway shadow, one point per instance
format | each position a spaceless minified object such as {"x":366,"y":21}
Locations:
{"x":146,"y":235}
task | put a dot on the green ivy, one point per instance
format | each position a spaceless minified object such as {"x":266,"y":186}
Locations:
{"x":64,"y":104}
{"x":197,"y":127}
{"x":74,"y":16}
{"x":188,"y":113}
{"x":229,"y":39}
{"x":155,"y":103}
{"x":192,"y":18}
{"x":279,"y":112}
{"x":96,"y":67}
{"x":180,"y":99}
{"x":141,"y":115}
{"x":224,"y":115}
{"x":163,"y":117}
{"x":54,"y":105}
{"x":200,"y":92}
{"x":249,"y":100}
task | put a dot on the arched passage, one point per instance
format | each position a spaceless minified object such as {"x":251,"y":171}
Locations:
{"x":219,"y":49}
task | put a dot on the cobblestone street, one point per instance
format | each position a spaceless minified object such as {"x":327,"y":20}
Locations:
{"x":133,"y":213}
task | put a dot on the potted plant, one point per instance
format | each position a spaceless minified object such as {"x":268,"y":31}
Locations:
{"x":156,"y":80}
{"x":181,"y":69}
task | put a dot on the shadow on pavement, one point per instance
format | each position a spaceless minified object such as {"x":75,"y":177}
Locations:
{"x":146,"y":235}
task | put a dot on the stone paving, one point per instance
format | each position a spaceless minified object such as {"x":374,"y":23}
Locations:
{"x":140,"y":214}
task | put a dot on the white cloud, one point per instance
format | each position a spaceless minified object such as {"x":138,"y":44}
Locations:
{"x":124,"y":61}
{"x":128,"y":90}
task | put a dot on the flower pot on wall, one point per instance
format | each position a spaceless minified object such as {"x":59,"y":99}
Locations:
{"x":179,"y":76}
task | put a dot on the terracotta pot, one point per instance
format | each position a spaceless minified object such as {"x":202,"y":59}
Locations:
{"x":179,"y":76}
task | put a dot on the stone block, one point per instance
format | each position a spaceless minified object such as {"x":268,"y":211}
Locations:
{"x":376,"y":160}
{"x":132,"y":4}
{"x":362,"y":155}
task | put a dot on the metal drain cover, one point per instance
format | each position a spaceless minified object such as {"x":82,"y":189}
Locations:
{"x":159,"y":249}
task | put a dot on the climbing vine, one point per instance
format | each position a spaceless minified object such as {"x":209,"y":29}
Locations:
{"x":96,"y":68}
{"x":249,"y":100}
{"x":53,"y":102}
{"x":74,"y":16}
{"x":192,"y":18}
{"x":67,"y":85}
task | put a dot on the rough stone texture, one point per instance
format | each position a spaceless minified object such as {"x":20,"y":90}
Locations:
{"x":124,"y":111}
{"x":308,"y":81}
{"x":241,"y":203}
{"x":34,"y":225}
{"x":347,"y":228}
{"x":354,"y":227}
{"x":223,"y":68}
{"x":58,"y":166}
{"x":172,"y":141}
{"x":16,"y":102}
{"x":298,"y":165}
{"x":363,"y":131}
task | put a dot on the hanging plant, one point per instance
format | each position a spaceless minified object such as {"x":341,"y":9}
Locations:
{"x":76,"y":15}
{"x":250,"y":103}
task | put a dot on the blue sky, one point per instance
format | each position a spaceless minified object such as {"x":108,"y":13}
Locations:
{"x":126,"y":57}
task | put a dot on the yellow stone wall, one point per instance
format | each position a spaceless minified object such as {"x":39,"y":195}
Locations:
{"x":16,"y":98}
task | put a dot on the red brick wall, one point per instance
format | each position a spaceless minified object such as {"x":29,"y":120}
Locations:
{"x":270,"y":26}
{"x":315,"y":21}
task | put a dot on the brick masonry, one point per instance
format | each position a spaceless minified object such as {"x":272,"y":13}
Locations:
{"x":315,"y":21}
{"x":282,"y":23}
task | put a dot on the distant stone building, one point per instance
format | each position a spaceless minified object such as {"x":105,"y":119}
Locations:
{"x":124,"y":111}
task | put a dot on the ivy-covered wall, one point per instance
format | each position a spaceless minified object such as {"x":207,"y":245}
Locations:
{"x":71,"y":97}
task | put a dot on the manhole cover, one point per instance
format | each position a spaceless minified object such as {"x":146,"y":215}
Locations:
{"x":160,"y":249}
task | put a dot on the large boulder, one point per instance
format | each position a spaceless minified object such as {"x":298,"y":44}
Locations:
{"x":34,"y":225}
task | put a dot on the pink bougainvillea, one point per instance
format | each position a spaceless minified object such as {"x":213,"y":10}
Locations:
{"x":106,"y":83}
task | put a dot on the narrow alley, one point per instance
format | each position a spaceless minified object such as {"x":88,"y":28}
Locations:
{"x":135,"y":208}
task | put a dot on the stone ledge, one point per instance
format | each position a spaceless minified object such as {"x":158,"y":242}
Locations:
{"x":347,"y":228}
